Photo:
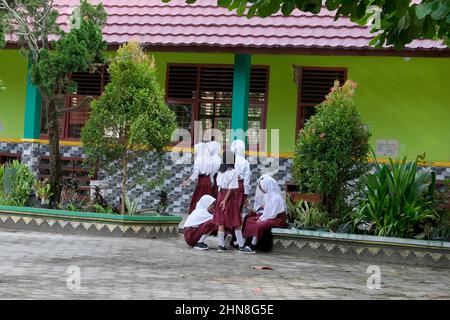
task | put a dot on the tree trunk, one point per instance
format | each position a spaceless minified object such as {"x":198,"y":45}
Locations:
{"x":123,"y":183}
{"x":55,"y":155}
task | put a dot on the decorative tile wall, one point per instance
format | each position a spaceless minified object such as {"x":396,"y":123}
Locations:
{"x":179,"y":198}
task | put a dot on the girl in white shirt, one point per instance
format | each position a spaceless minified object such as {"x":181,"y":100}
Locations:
{"x":202,"y":171}
{"x":270,"y":211}
{"x":226,"y":214}
{"x":242,"y":167}
{"x":199,"y":225}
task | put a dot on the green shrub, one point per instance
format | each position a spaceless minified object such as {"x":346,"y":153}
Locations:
{"x":398,"y":201}
{"x":307,"y":216}
{"x":332,"y":149}
{"x":130,"y":122}
{"x":21,"y":187}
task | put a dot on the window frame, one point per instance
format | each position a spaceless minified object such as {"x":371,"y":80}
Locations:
{"x":68,"y":104}
{"x":197,"y":101}
{"x":300,"y":106}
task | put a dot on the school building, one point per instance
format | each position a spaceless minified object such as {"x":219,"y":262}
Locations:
{"x":232,"y":72}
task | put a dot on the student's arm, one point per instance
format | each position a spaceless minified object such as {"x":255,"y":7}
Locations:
{"x":193,"y":177}
{"x":227,"y":196}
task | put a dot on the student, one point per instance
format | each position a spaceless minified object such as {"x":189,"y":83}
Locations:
{"x":202,"y":170}
{"x":242,"y":167}
{"x":199,"y":225}
{"x":227,"y":213}
{"x":215,"y":148}
{"x":270,"y":211}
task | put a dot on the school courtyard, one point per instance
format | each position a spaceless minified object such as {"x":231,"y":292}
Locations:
{"x":36,"y":266}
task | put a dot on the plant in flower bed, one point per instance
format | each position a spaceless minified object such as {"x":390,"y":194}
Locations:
{"x":15,"y":189}
{"x":332,"y":149}
{"x":130,"y":124}
{"x":398,"y":201}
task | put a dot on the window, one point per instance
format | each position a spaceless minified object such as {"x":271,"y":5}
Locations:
{"x":72,"y":168}
{"x":314,"y":84}
{"x":6,"y":157}
{"x":71,"y":122}
{"x":204,"y":93}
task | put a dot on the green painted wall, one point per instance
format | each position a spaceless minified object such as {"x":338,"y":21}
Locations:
{"x":13,"y":72}
{"x":408,"y":101}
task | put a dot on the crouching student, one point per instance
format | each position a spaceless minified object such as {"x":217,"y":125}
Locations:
{"x":270,"y":212}
{"x":226,"y":213}
{"x":199,"y":224}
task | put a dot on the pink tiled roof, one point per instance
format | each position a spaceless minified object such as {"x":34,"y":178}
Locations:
{"x":203,"y":24}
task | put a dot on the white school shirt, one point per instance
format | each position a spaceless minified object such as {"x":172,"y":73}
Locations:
{"x":242,"y":167}
{"x":228,"y":180}
{"x":199,"y":169}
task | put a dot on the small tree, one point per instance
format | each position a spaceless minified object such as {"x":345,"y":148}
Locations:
{"x":130,"y":120}
{"x":332,"y":149}
{"x":33,"y":23}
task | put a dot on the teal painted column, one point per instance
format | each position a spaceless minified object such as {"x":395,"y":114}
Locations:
{"x":240,"y":102}
{"x":33,"y":104}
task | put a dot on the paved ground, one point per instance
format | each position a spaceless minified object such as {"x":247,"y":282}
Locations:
{"x":35,"y":265}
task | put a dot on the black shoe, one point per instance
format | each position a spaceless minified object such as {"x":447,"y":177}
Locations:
{"x":246,"y":249}
{"x":222,"y":249}
{"x":201,"y":246}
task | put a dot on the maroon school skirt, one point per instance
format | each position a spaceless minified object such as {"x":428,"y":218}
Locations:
{"x":203,"y":187}
{"x":252,"y":228}
{"x":192,"y":235}
{"x":230,"y":217}
{"x":215,"y":189}
{"x":240,"y":195}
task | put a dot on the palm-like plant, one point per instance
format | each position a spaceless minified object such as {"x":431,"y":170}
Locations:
{"x":397,"y":200}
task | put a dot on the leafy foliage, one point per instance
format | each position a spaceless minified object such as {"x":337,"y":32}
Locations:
{"x":130,"y":120}
{"x":400,"y":22}
{"x":307,"y":216}
{"x":398,"y":200}
{"x":21,"y":185}
{"x":2,"y":86}
{"x":33,"y":23}
{"x":42,"y":190}
{"x":332,"y":149}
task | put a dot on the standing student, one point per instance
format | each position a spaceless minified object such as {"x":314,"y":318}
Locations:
{"x":215,"y":148}
{"x":271,"y":211}
{"x":242,"y":167}
{"x":199,"y":225}
{"x":202,"y":170}
{"x":226,"y":214}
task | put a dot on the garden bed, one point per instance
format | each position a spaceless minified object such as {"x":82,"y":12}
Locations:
{"x":71,"y":222}
{"x":371,"y":249}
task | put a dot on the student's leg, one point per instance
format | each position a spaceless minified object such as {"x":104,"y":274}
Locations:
{"x":239,"y":237}
{"x":221,"y":236}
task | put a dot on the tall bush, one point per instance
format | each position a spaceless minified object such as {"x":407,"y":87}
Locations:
{"x":129,"y":121}
{"x":332,"y":148}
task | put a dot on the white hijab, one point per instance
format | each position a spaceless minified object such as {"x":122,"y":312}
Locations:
{"x":200,"y":214}
{"x":260,"y":197}
{"x":238,"y":147}
{"x":274,"y":202}
{"x":203,"y":159}
{"x":214,"y":148}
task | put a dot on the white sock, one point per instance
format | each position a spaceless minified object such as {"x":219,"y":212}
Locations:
{"x":202,"y":238}
{"x":239,"y":237}
{"x":221,"y":236}
{"x":254,"y":241}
